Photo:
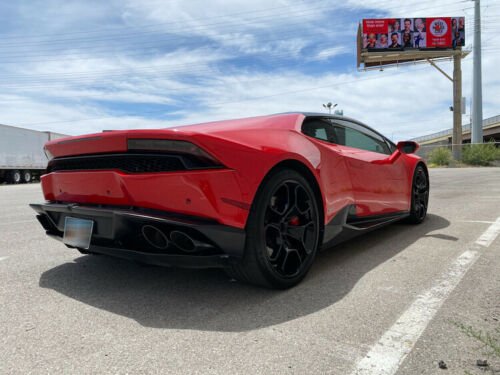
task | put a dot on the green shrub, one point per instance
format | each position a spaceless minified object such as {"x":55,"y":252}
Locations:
{"x":440,"y":156}
{"x":480,"y":154}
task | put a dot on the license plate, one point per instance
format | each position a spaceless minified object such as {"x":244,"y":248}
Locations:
{"x":77,"y":232}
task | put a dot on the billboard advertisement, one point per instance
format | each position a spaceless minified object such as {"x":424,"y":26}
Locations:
{"x":413,"y":33}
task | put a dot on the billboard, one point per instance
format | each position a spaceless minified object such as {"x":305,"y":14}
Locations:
{"x":413,"y":33}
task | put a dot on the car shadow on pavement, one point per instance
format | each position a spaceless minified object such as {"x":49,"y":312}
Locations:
{"x":207,"y":300}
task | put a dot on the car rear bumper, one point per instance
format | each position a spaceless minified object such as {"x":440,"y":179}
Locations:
{"x":217,"y":194}
{"x":120,"y":232}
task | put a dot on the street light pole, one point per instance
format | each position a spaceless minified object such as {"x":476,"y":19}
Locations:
{"x":330,"y":106}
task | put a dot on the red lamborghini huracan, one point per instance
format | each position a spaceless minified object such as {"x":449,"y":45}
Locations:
{"x":257,"y":196}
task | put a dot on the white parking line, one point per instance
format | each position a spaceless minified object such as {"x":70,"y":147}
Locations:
{"x":18,"y":222}
{"x":477,"y":221}
{"x":396,"y":343}
{"x":491,"y":233}
{"x":3,"y":258}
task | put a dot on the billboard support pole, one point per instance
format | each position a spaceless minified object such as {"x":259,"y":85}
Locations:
{"x":439,"y":69}
{"x":446,"y":43}
{"x":456,"y":139}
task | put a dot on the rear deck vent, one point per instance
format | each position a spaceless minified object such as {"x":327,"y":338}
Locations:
{"x":130,"y":163}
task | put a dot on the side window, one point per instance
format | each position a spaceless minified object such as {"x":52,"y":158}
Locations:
{"x":391,"y":146}
{"x":356,"y":139}
{"x":321,"y":134}
{"x":354,"y":135}
{"x":319,"y":129}
{"x":345,"y":133}
{"x":339,"y":134}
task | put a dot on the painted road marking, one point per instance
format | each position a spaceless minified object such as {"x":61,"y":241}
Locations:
{"x":491,"y":233}
{"x":3,"y":258}
{"x":385,"y":357}
{"x":18,"y":222}
{"x":477,"y":221}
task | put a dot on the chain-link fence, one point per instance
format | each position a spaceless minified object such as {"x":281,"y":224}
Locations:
{"x":484,"y":154}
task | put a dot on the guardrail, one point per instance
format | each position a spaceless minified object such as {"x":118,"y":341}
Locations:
{"x":465,"y":128}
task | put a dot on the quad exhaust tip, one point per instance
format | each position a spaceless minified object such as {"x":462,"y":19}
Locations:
{"x":183,"y":241}
{"x":155,"y":237}
{"x":159,"y":240}
{"x":187,"y":243}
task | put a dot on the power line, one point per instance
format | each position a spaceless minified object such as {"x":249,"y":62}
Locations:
{"x":256,"y":98}
{"x":191,"y":69}
{"x":217,"y":104}
{"x":202,"y":27}
{"x":298,"y":34}
{"x":163,"y":24}
{"x":91,"y":31}
{"x":160,"y":45}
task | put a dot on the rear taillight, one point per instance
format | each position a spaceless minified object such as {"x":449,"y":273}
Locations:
{"x":48,"y":154}
{"x":173,"y":147}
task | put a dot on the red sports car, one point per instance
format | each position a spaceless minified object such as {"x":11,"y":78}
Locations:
{"x":256,"y":196}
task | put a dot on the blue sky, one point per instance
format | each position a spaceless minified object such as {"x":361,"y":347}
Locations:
{"x":83,"y":66}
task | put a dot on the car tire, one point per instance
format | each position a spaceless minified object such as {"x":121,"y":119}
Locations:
{"x":15,"y":176}
{"x":27,"y":177}
{"x":283,"y":233}
{"x":419,"y":196}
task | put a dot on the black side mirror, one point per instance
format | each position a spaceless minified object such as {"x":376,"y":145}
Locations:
{"x":407,"y":147}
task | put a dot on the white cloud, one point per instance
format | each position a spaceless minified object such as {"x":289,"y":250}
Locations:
{"x":196,"y":83}
{"x":328,"y":53}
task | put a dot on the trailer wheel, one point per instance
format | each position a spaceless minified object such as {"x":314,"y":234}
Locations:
{"x":14,"y":176}
{"x":27,"y":176}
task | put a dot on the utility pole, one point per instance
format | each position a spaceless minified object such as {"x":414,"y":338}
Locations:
{"x":457,"y":107}
{"x":477,"y":89}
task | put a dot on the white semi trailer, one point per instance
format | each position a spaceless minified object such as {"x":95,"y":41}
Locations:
{"x":22,"y":158}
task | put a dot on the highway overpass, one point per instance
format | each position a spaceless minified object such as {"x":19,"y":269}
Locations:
{"x":491,"y":131}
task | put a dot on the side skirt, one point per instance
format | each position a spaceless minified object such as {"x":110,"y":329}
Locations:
{"x":344,"y":226}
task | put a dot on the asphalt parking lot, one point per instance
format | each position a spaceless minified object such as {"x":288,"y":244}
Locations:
{"x":389,"y":302}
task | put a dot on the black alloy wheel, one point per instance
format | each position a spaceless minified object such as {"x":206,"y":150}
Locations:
{"x":420,"y":196}
{"x":283,"y":233}
{"x":290,"y":228}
